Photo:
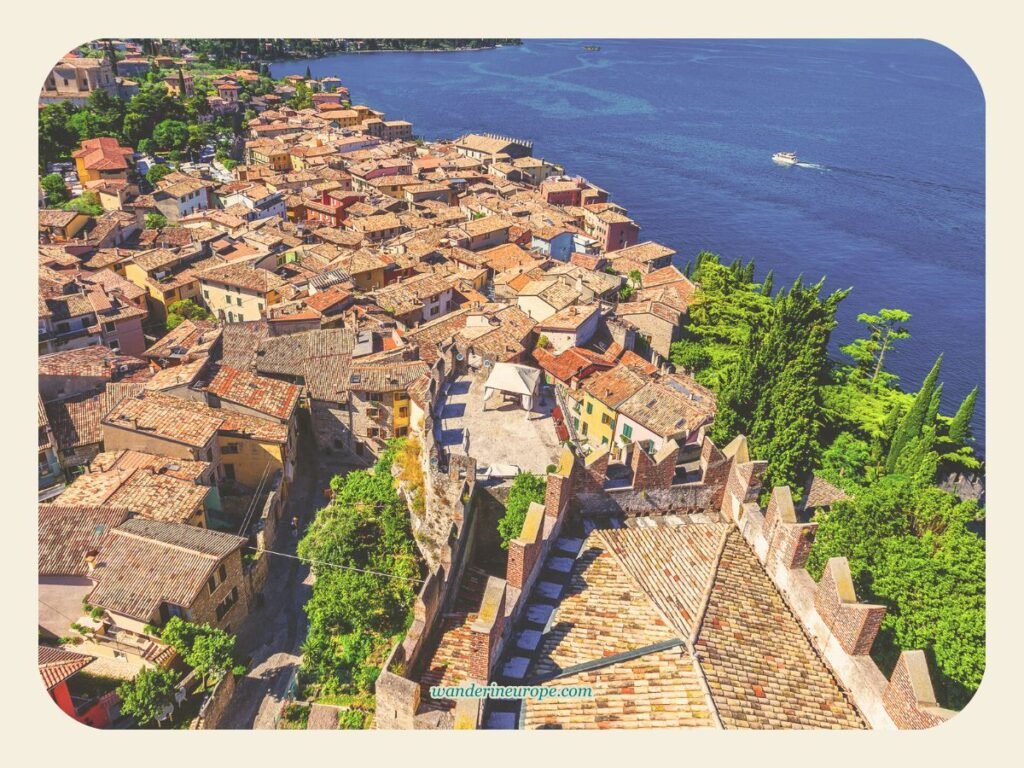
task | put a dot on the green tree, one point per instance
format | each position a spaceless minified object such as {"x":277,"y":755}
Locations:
{"x":212,"y":654}
{"x":148,"y":695}
{"x":171,"y":134}
{"x":915,"y":420}
{"x":886,"y":328}
{"x":157,"y":172}
{"x":366,"y":567}
{"x":773,"y":393}
{"x":56,"y":191}
{"x":526,"y":489}
{"x":151,"y":106}
{"x":303,"y":98}
{"x":910,"y":548}
{"x":57,"y":138}
{"x":960,"y":427}
{"x":87,"y":202}
{"x":155,"y":221}
{"x":185,"y":309}
{"x":208,"y":650}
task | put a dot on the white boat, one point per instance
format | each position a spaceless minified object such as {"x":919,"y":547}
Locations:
{"x":785,"y":158}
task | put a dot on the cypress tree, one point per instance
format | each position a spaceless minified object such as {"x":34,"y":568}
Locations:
{"x":933,"y":406}
{"x":960,"y":426}
{"x":915,"y":420}
{"x":768,"y":284}
{"x":309,"y":74}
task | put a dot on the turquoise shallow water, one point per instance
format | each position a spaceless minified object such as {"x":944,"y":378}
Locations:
{"x":890,"y":200}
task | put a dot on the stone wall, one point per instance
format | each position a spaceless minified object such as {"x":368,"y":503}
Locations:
{"x":841,"y":628}
{"x":215,"y":706}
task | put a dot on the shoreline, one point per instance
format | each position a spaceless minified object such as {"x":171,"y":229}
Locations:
{"x":392,"y":50}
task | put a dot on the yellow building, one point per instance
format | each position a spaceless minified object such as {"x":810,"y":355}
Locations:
{"x":166,"y":277}
{"x":277,"y":158}
{"x":237,"y":292}
{"x":401,"y":419}
{"x":102,"y":159}
{"x":595,"y":416}
{"x":248,"y":460}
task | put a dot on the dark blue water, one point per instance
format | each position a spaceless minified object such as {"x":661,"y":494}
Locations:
{"x":681,"y":133}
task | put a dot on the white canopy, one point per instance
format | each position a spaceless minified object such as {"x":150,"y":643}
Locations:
{"x":519,"y":380}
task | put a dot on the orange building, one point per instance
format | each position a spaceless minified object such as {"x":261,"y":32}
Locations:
{"x":102,"y":159}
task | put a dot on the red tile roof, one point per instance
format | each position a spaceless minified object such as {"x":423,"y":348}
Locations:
{"x":56,"y":665}
{"x":103,"y":154}
{"x":259,"y":393}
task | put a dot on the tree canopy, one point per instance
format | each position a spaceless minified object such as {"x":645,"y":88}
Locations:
{"x":367,"y":572}
{"x":526,"y":489}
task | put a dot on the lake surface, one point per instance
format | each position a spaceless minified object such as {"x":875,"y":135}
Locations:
{"x":889,"y":199}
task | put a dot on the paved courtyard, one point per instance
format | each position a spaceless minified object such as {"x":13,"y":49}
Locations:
{"x":504,"y":433}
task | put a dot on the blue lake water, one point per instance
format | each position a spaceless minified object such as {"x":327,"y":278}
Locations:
{"x":681,"y":132}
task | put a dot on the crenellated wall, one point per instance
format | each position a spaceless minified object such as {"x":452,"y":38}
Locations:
{"x":840,"y":627}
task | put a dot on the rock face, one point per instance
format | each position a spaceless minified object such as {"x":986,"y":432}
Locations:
{"x":964,"y":486}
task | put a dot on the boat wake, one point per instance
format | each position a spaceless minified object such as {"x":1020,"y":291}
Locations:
{"x":814,"y":166}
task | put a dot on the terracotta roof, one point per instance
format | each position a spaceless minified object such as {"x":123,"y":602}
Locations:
{"x":243,"y":275}
{"x":760,"y":667}
{"x":186,"y":374}
{"x":188,"y":338}
{"x":56,"y":665}
{"x":51,"y":217}
{"x":76,"y":421}
{"x":268,"y":396}
{"x":144,"y":563}
{"x":569,"y":318}
{"x":126,"y":461}
{"x":143,"y":491}
{"x":103,"y":154}
{"x":657,"y":690}
{"x":386,"y":376}
{"x":67,"y":532}
{"x":95,"y":361}
{"x":660,"y":689}
{"x":823,"y":494}
{"x":643,"y":252}
{"x":569,"y":364}
{"x":485,"y":225}
{"x":615,"y":386}
{"x":163,"y":416}
{"x":671,"y":405}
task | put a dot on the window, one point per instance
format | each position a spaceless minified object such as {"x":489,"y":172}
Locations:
{"x":606,"y":419}
{"x":401,"y":432}
{"x":403,"y":411}
{"x":229,"y":471}
{"x":231,"y":315}
{"x":585,"y":427}
{"x":590,"y":407}
{"x":576,"y":423}
{"x":604,"y":441}
{"x":206,"y":294}
{"x":260,"y":306}
{"x":227,"y":603}
{"x":627,"y":431}
{"x":108,"y":327}
{"x":373,"y":397}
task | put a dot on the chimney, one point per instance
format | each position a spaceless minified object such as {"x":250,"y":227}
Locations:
{"x":90,"y":559}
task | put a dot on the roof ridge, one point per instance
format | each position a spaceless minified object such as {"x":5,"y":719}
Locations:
{"x":139,"y":537}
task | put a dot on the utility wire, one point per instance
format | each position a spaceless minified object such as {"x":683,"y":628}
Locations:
{"x":335,"y":565}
